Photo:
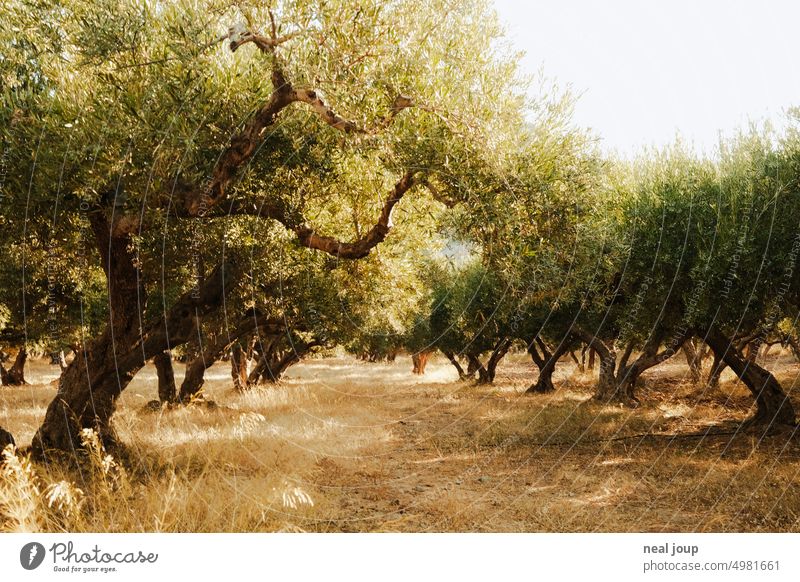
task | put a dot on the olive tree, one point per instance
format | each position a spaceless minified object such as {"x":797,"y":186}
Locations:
{"x":300,"y":114}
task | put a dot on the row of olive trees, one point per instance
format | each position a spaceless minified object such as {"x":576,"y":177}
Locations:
{"x":668,"y":254}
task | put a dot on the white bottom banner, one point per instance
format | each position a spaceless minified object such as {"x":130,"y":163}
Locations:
{"x":356,"y":557}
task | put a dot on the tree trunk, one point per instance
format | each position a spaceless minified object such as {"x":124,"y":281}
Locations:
{"x":62,"y":361}
{"x":579,"y":364}
{"x":715,"y":373}
{"x":773,"y":406}
{"x":628,"y":375}
{"x":6,"y":438}
{"x":498,"y":353}
{"x":262,"y":354}
{"x":195,"y":370}
{"x":58,"y":359}
{"x":693,"y":361}
{"x":546,"y":361}
{"x":462,"y":375}
{"x":15,"y":375}
{"x":420,"y":361}
{"x":266,"y":369}
{"x":167,"y":393}
{"x":607,"y":388}
{"x":795,"y":346}
{"x":474,"y":366}
{"x":238,"y":367}
{"x":592,"y":353}
{"x":289,"y":359}
{"x":273,"y":363}
{"x":618,"y":381}
{"x":102,"y":369}
{"x":272,"y":366}
{"x":89,"y":388}
{"x":194,"y":376}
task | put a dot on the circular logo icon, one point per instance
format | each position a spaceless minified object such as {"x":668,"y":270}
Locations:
{"x":31,"y":555}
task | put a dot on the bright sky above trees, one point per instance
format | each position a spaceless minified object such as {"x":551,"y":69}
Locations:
{"x":647,"y":70}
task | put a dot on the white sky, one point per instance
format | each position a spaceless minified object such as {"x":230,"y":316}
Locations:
{"x":648,"y":70}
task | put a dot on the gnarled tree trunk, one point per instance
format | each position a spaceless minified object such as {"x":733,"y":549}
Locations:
{"x":617,"y":380}
{"x":498,"y":353}
{"x":546,"y":360}
{"x":167,"y":393}
{"x":453,"y":359}
{"x":420,"y":361}
{"x":693,"y":360}
{"x":715,"y":373}
{"x":628,"y":375}
{"x":195,"y":370}
{"x":262,"y":354}
{"x":238,"y":366}
{"x":194,"y":376}
{"x":15,"y":375}
{"x":606,"y":388}
{"x":89,"y":387}
{"x":474,"y":366}
{"x":773,"y":406}
{"x":274,"y":361}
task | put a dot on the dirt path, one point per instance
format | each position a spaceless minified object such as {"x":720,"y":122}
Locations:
{"x":456,"y":457}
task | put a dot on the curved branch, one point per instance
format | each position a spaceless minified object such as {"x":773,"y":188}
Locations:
{"x":239,"y":35}
{"x":308,"y":237}
{"x":361,"y":247}
{"x":336,"y":121}
{"x":199,"y":200}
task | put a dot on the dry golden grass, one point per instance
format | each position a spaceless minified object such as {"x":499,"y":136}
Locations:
{"x":348,"y":446}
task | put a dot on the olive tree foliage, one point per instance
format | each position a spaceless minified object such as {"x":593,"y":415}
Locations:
{"x":538,"y":250}
{"x":691,"y":247}
{"x":700,"y":248}
{"x":317,"y":117}
{"x":655,"y":226}
{"x":753,"y":279}
{"x":713,"y":256}
{"x":634,"y":259}
{"x":51,"y":292}
{"x":466,"y":319}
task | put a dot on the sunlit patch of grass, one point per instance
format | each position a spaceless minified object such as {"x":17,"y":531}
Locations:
{"x":551,"y":422}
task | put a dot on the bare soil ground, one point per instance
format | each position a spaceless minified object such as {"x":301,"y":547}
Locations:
{"x":343,"y":445}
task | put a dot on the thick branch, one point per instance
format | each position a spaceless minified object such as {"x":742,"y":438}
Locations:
{"x":198,"y":201}
{"x":307,"y":237}
{"x":241,"y":149}
{"x":239,"y":35}
{"x":361,"y":247}
{"x":195,"y":370}
{"x":336,"y":121}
